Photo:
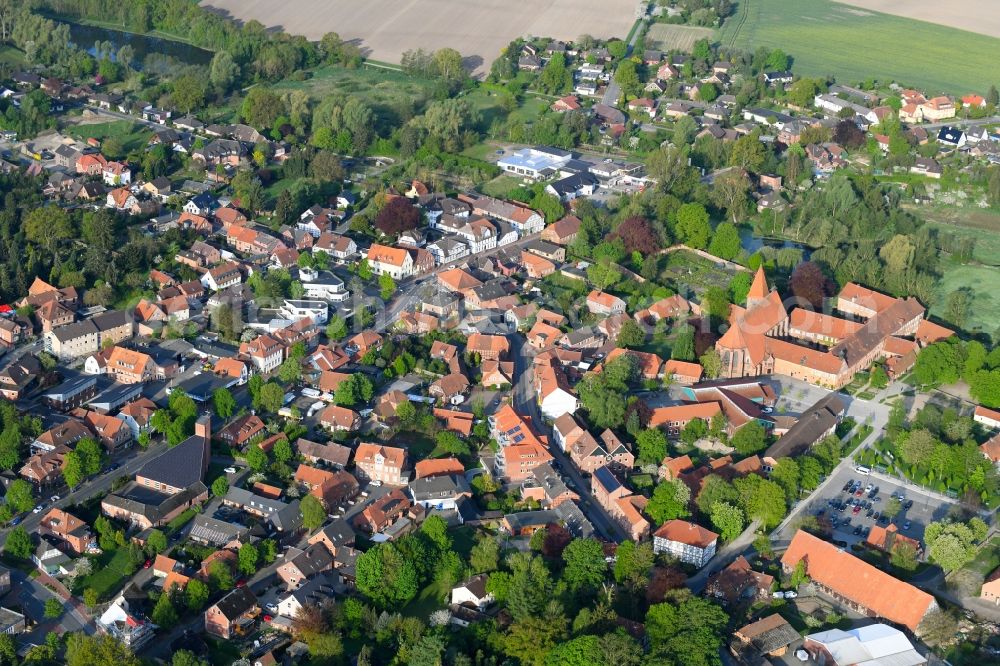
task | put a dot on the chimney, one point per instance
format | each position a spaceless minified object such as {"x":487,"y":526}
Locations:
{"x":203,"y":426}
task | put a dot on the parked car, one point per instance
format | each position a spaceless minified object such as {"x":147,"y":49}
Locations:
{"x":147,"y":564}
{"x":230,"y":470}
{"x":271,"y":608}
{"x":375,"y":484}
{"x":906,"y":526}
{"x":907,"y":505}
{"x":54,"y":498}
{"x":857,"y":530}
{"x":791,"y":594}
{"x":37,"y":509}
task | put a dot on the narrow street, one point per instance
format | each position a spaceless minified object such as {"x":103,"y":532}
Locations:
{"x":524,"y":403}
{"x":724,"y":557}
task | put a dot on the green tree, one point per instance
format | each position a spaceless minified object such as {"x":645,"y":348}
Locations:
{"x":903,"y":556}
{"x":633,"y":563}
{"x":630,"y":335}
{"x":786,"y":475}
{"x":20,"y":496}
{"x":386,"y":576}
{"x":256,"y":458}
{"x":688,"y":631}
{"x":726,"y":242}
{"x":72,"y":471}
{"x":99,"y":650}
{"x":164,"y":614}
{"x":248,"y":558}
{"x":187,"y":658}
{"x":220,"y":577}
{"x":748,"y":152}
{"x":761,"y":499}
{"x":751,"y":438}
{"x":485,"y":555}
{"x":8,"y":650}
{"x":90,"y":597}
{"x":387,"y":286}
{"x":585,"y":565}
{"x":693,"y":228}
{"x":652,"y":445}
{"x":683,"y":348}
{"x":669,"y":501}
{"x":53,"y":608}
{"x":156,"y":542}
{"x":196,"y":595}
{"x":336,"y":329}
{"x":892,"y":508}
{"x":224,"y":402}
{"x":290,"y":370}
{"x":282,"y":450}
{"x":728,"y":519}
{"x":271,"y":397}
{"x":313,"y":513}
{"x":220,"y":487}
{"x":18,"y":544}
{"x":91,"y":455}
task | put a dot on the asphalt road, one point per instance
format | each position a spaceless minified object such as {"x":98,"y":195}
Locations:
{"x":99,"y":485}
{"x":525,"y":403}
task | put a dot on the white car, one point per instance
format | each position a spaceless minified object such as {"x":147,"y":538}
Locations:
{"x":230,"y":470}
{"x":778,"y":595}
{"x":791,"y":594}
{"x":271,"y":608}
{"x":375,"y":484}
{"x":37,"y":509}
{"x":54,"y":498}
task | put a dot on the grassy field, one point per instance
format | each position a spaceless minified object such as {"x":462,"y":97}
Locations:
{"x":11,"y":56}
{"x":981,"y":225}
{"x":984,"y":281}
{"x":667,"y":37}
{"x":133,"y":136}
{"x":853,"y":44}
{"x":111,"y":571}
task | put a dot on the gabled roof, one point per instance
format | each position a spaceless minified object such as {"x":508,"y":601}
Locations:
{"x":688,"y":533}
{"x":179,"y":467}
{"x":858,"y":581}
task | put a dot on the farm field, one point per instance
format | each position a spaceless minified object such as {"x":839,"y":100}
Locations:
{"x":385,"y":29}
{"x":972,"y":15}
{"x":826,"y":37}
{"x":666,"y":36}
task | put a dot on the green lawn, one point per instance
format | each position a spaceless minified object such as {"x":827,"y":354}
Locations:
{"x":825,"y":37}
{"x":132,"y":135}
{"x":111,"y":571}
{"x":500,"y":186}
{"x":984,"y":281}
{"x":11,"y":56}
{"x":429,"y":600}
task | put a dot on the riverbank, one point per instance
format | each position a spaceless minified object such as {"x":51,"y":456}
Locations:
{"x":109,"y":25}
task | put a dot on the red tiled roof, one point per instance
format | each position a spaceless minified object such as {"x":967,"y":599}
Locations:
{"x":858,"y":581}
{"x":688,"y":533}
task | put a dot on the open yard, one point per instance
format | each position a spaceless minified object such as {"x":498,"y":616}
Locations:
{"x":385,"y":29}
{"x":826,"y":37}
{"x":667,"y":37}
{"x":132,"y":136}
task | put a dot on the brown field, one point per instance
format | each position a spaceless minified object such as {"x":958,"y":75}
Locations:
{"x":980,"y":16}
{"x":665,"y":36}
{"x":478,"y":29}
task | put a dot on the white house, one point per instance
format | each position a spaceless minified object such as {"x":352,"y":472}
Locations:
{"x":315,"y":591}
{"x":834,"y":105}
{"x":534,"y":163}
{"x":472,"y":593}
{"x":554,"y":396}
{"x":295,"y":310}
{"x":480,"y":234}
{"x":323,"y":286}
{"x":201,"y":204}
{"x":116,"y":174}
{"x":395,"y":262}
{"x":222,"y":276}
{"x":447,"y":249}
{"x":441,"y":493}
{"x":988,"y":417}
{"x":686,"y":541}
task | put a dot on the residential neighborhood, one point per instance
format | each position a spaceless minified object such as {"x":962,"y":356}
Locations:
{"x":634,"y":349}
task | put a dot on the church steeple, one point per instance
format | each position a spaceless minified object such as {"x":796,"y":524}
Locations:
{"x":758,"y":289}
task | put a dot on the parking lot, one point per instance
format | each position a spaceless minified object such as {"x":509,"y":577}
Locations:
{"x":924,"y":509}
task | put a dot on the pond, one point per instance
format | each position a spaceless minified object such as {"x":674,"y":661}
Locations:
{"x":85,"y":36}
{"x":753,"y":243}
